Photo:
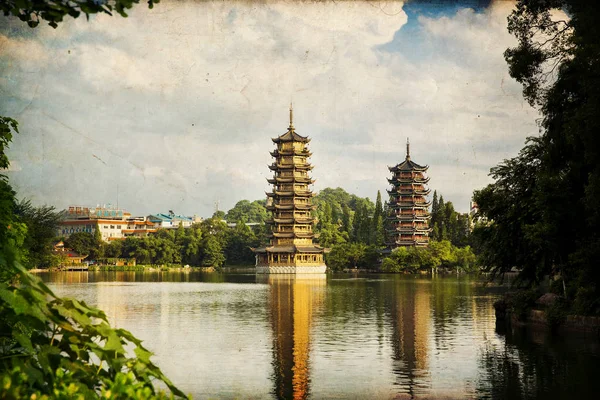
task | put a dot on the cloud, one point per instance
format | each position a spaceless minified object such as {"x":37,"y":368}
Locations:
{"x":180,"y":102}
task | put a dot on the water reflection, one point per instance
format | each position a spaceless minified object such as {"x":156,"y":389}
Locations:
{"x":410,"y":321}
{"x":388,"y":337}
{"x":292,"y":302}
{"x":536,"y":365}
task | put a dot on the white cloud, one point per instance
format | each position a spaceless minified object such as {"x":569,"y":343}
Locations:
{"x":178,"y":104}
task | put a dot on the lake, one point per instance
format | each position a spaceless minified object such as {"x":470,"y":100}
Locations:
{"x":335,"y":337}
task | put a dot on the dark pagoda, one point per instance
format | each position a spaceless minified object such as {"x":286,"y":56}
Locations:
{"x":409,"y":209}
{"x":291,"y":249}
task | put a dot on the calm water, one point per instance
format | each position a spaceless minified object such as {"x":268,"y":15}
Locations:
{"x":381,"y":336}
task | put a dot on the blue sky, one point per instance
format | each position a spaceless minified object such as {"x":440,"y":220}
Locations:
{"x":173,"y":108}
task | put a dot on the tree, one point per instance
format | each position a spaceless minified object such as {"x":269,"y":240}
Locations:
{"x":352,"y":255}
{"x":238,"y":250}
{"x":81,"y":242}
{"x":41,"y":223}
{"x":377,"y":231}
{"x":34,"y":11}
{"x":249,"y":211}
{"x":556,"y":223}
{"x":114,"y":249}
{"x":212,"y":252}
{"x":510,"y":203}
{"x":191,"y":245}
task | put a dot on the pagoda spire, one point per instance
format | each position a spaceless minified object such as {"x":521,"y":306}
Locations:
{"x":407,"y":149}
{"x":291,"y":116}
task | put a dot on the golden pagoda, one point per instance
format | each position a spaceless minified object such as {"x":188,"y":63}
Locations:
{"x":291,"y":249}
{"x":409,"y":209}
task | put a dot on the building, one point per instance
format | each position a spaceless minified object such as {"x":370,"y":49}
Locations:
{"x":171,"y":220}
{"x":113,"y":224}
{"x":409,"y":209}
{"x":138,"y":227}
{"x":291,"y":248}
{"x":68,"y":256}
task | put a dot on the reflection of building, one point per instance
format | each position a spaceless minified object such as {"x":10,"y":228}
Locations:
{"x":411,"y":321}
{"x":291,"y":249}
{"x":292,"y":302}
{"x":409,"y":209}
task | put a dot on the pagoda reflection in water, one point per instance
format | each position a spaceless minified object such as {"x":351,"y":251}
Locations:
{"x":411,"y":324}
{"x":292,"y":302}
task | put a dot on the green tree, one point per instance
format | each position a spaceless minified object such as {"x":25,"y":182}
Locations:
{"x":34,"y":11}
{"x":41,"y":225}
{"x":81,"y":242}
{"x":377,"y":230}
{"x":212,"y":252}
{"x":114,"y":249}
{"x":241,"y":240}
{"x":249,"y":211}
{"x":191,"y":246}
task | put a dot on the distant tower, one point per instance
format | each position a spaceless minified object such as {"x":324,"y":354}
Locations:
{"x":291,"y":250}
{"x":409,"y":209}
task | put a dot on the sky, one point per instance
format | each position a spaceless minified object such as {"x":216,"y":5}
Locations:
{"x":174,"y":108}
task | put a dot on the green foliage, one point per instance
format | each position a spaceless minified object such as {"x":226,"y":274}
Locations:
{"x":8,"y":126}
{"x":343,"y":217}
{"x":377,"y":236}
{"x":543,"y":208}
{"x":248,"y":211}
{"x":212,"y":252}
{"x":82,"y":243}
{"x":448,"y":224}
{"x":352,"y":255}
{"x":55,"y":345}
{"x":238,"y":250}
{"x":34,"y":11}
{"x":437,"y":255}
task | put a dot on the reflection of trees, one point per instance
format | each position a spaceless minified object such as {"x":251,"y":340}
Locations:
{"x":449,"y":303}
{"x":533,"y":366}
{"x":410,"y":320}
{"x":292,"y":303}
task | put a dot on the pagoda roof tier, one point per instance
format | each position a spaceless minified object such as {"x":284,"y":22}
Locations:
{"x":409,"y":217}
{"x":415,"y":192}
{"x":290,"y":179}
{"x":409,"y":229}
{"x":408,"y":165}
{"x":409,"y":204}
{"x":276,"y":167}
{"x":300,"y":235}
{"x":304,"y":153}
{"x":396,"y":181}
{"x":290,"y":221}
{"x":291,"y":207}
{"x":291,"y":136}
{"x":290,"y":249}
{"x":409,"y":243}
{"x":288,"y":193}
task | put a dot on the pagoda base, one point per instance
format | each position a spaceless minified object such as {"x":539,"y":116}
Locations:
{"x":291,"y":269}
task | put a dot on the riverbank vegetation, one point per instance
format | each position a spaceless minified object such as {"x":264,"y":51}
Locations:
{"x":542,"y":210}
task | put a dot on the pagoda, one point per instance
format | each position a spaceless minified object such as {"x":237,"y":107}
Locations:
{"x":291,"y":249}
{"x":409,"y":209}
